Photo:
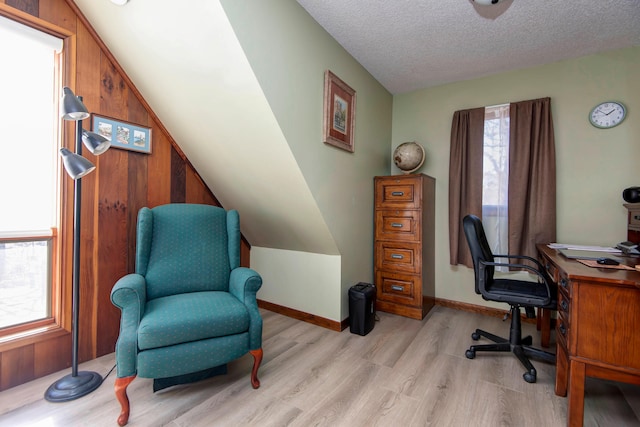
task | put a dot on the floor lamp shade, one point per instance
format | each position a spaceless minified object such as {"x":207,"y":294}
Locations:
{"x":96,"y":143}
{"x":75,"y":165}
{"x":76,"y":384}
{"x":72,"y":107}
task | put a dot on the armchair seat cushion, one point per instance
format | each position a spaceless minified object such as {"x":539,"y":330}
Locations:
{"x":182,"y":318}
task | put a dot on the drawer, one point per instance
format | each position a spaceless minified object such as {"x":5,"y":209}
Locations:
{"x":564,"y":304}
{"x":398,"y":193}
{"x":634,"y":219}
{"x":398,"y":256}
{"x":563,"y":330}
{"x":399,"y":288}
{"x":398,"y":225}
{"x":550,"y":268}
{"x":564,"y":285}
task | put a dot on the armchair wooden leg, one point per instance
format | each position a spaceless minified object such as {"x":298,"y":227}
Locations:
{"x":257,"y":359}
{"x":121,"y":395}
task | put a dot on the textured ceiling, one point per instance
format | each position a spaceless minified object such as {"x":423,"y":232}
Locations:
{"x":413,"y":44}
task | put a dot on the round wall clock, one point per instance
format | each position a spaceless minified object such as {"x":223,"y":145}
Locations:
{"x":607,"y":114}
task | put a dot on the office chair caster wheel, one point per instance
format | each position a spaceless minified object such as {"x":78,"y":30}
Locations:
{"x":529,"y":377}
{"x":471,"y":354}
{"x":475,"y":336}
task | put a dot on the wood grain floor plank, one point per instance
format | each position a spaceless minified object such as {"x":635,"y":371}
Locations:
{"x":403,"y":373}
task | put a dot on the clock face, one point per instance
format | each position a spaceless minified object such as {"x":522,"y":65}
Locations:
{"x":607,"y":114}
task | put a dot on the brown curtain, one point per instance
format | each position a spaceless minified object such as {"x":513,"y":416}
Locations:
{"x":532,"y":176}
{"x":465,"y":179}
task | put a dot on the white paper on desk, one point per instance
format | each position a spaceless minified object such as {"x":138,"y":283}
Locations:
{"x":584,"y":248}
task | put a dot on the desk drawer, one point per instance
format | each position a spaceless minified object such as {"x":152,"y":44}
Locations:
{"x":550,"y":268}
{"x":564,"y":285}
{"x":563,"y":327}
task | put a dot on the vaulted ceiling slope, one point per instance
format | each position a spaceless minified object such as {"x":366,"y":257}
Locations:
{"x":185,"y":60}
{"x":413,"y":44}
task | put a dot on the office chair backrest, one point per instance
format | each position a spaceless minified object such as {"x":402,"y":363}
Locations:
{"x":480,"y":251}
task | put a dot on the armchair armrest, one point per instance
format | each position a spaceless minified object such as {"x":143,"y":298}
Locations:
{"x":129,"y":294}
{"x":244,"y":284}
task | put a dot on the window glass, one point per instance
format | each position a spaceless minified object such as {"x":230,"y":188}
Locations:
{"x":28,"y":170}
{"x":495,"y":180}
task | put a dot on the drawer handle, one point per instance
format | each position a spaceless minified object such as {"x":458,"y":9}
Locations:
{"x":396,"y":225}
{"x":636,"y":217}
{"x":564,"y":305}
{"x":564,"y":283}
{"x":397,"y":193}
{"x":397,"y":288}
{"x":562,"y":329}
{"x":397,"y":256}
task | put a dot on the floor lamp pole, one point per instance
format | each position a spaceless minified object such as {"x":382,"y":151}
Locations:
{"x":77,"y":384}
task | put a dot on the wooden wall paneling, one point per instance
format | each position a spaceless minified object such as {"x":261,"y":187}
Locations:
{"x":196,"y":191}
{"x":159,"y":165}
{"x":245,"y":249}
{"x":137,"y":178}
{"x":52,"y":355}
{"x":17,"y":366}
{"x":59,"y":13}
{"x":137,"y":189}
{"x":113,"y":245}
{"x":87,"y":86}
{"x":31,"y":7}
{"x":113,"y":205}
{"x":178,"y":177}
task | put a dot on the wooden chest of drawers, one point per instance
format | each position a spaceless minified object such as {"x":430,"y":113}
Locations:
{"x":404,"y":244}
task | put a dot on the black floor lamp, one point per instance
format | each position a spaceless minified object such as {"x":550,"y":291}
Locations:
{"x":76,"y":384}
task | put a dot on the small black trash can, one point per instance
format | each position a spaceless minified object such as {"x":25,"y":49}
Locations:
{"x":362,"y":308}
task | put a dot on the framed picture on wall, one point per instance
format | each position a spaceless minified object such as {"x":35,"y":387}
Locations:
{"x":339,"y":112}
{"x":125,"y":135}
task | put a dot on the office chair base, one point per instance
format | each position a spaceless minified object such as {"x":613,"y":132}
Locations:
{"x":520,"y":347}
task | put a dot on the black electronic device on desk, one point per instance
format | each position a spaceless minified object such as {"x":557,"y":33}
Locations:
{"x":628,"y":248}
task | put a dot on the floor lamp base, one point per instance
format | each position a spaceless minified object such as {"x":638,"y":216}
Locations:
{"x":72,"y":387}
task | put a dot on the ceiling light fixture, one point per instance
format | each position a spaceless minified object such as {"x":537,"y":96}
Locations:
{"x":119,"y":2}
{"x":486,"y":2}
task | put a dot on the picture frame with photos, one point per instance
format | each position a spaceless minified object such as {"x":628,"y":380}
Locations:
{"x":124,"y":135}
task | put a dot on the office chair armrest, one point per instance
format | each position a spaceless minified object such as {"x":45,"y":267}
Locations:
{"x":528,"y":258}
{"x":541,"y":272}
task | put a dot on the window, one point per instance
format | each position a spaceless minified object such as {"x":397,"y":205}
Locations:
{"x":521,"y":142}
{"x":495,"y":177}
{"x":29,"y":82}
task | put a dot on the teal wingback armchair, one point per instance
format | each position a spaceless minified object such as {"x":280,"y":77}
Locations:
{"x":189,"y":306}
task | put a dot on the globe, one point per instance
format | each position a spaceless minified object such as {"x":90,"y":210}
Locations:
{"x":409,"y":156}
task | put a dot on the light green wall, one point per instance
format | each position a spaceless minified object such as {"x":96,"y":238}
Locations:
{"x":289,"y":53}
{"x":593,"y":165}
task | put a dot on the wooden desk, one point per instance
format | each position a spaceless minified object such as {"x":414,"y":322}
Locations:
{"x":597,"y":329}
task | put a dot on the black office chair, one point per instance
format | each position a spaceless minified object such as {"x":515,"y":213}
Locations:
{"x":516,"y":293}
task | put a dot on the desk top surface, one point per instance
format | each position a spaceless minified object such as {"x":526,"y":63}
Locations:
{"x":576,"y":270}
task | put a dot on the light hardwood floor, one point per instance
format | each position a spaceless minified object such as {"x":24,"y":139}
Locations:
{"x":404,"y":373}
